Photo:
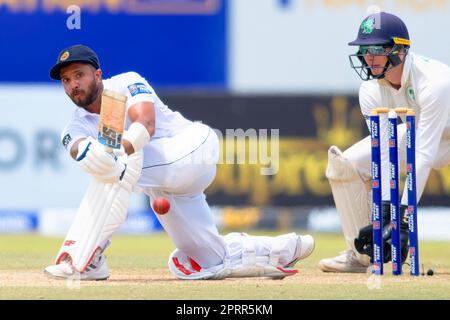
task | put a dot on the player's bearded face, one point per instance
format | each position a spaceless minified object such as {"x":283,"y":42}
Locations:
{"x":84,"y":97}
{"x":81,"y":84}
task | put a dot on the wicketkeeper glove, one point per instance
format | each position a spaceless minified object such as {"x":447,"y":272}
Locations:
{"x":364,"y":241}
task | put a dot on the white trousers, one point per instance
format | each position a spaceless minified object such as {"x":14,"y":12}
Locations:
{"x":180,"y":168}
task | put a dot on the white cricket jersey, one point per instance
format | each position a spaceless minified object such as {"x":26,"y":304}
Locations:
{"x":425,"y":87}
{"x":167,"y":122}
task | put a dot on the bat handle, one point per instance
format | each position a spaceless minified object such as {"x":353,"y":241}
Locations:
{"x":109,"y":150}
{"x":114,"y":152}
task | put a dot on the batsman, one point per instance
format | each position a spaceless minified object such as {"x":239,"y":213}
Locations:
{"x":127,"y":139}
{"x":393,"y":76}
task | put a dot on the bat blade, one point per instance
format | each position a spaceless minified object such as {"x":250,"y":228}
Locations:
{"x":112,"y":119}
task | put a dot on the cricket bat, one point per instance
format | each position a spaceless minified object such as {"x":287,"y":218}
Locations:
{"x":112,"y":120}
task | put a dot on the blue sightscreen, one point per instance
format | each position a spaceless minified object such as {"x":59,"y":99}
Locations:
{"x":171,"y":49}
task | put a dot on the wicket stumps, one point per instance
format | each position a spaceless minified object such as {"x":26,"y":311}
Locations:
{"x":377,"y":214}
{"x":412,"y":193}
{"x":396,"y":250}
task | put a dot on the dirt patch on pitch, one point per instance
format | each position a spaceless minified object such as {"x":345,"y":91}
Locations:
{"x":26,"y":279}
{"x":37,"y":278}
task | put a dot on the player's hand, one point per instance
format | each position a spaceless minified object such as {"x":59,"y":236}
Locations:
{"x":116,"y":173}
{"x":93,"y":158}
{"x":404,"y":236}
{"x":364,"y":241}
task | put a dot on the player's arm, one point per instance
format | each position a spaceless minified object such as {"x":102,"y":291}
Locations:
{"x":74,"y":148}
{"x":369,"y":99}
{"x":142,"y":116}
{"x":435,"y":103}
{"x":72,"y":135}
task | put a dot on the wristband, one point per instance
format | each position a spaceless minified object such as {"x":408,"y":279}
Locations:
{"x":137,"y":135}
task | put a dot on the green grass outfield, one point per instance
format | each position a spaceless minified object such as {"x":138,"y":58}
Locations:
{"x":138,"y":271}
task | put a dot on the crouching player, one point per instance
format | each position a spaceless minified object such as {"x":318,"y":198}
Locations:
{"x":165,"y":155}
{"x":393,"y":76}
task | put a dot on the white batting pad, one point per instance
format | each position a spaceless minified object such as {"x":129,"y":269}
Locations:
{"x":242,"y":261}
{"x":103,"y":209}
{"x":352,"y":197}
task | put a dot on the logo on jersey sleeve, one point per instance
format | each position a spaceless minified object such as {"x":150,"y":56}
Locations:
{"x":66,"y":140}
{"x":138,"y":88}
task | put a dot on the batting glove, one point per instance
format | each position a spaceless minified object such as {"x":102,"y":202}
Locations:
{"x":102,"y":165}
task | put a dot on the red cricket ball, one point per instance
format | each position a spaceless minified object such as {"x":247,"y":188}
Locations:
{"x":161,"y":205}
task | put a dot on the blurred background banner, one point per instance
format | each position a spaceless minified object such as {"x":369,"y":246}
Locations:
{"x":237,"y":64}
{"x":173,"y":43}
{"x":301,"y":45}
{"x":308,"y":125}
{"x":256,"y":46}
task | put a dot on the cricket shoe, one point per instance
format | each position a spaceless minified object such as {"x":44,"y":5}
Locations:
{"x":97,"y":270}
{"x":305,"y":246}
{"x":346,"y":261}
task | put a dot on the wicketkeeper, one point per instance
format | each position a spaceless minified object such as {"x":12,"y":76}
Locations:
{"x":165,"y":155}
{"x":393,"y":77}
